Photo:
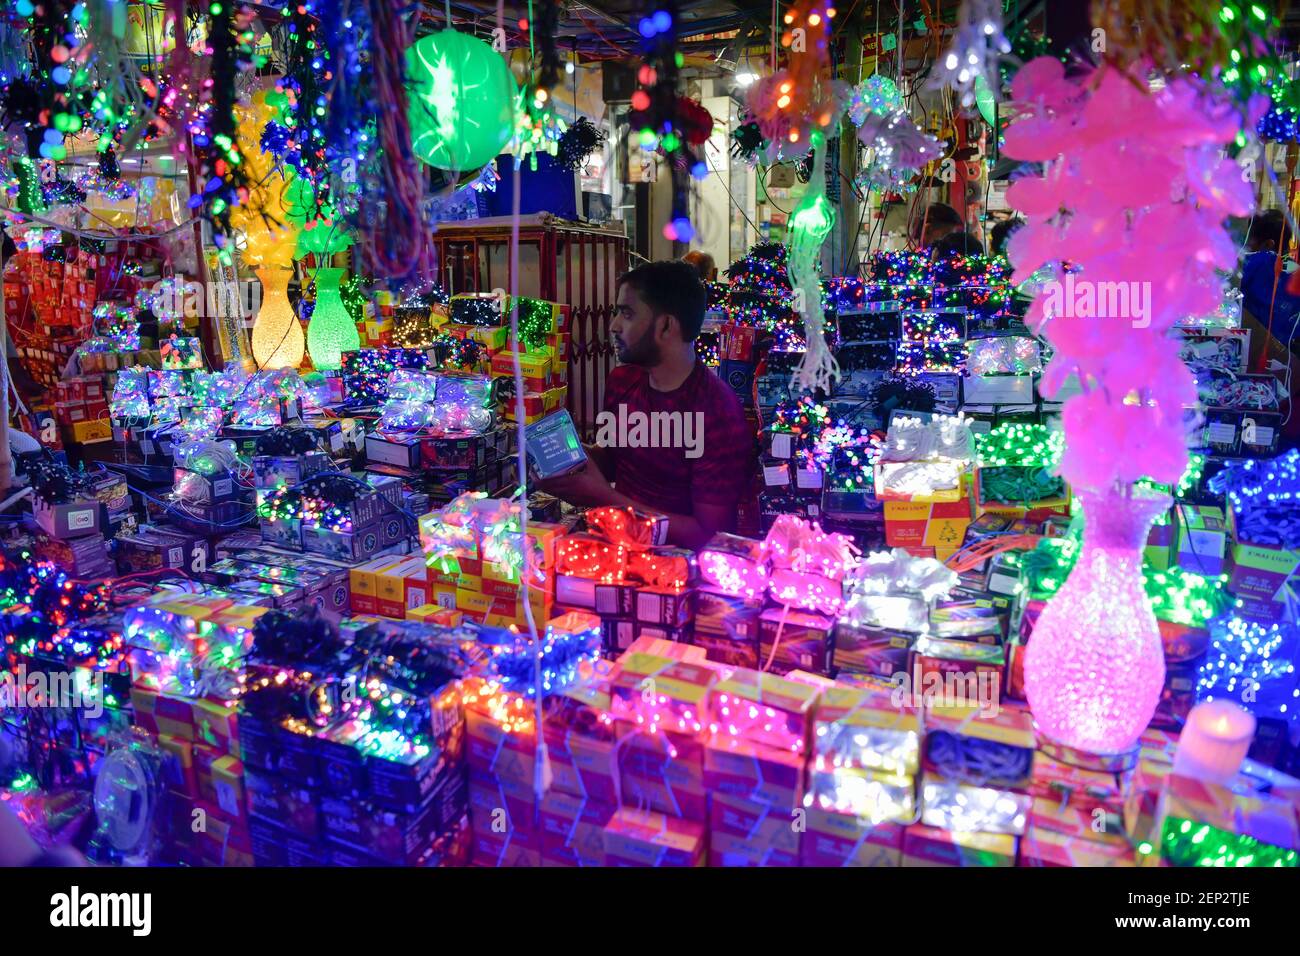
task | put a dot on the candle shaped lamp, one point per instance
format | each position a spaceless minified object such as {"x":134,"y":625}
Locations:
{"x":1214,"y":742}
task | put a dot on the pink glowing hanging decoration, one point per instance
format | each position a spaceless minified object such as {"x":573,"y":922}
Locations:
{"x":1133,"y":196}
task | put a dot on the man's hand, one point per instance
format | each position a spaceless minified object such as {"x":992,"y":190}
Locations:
{"x":585,"y":487}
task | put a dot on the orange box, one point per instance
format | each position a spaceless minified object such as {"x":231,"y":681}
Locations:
{"x":363,"y":584}
{"x":435,"y":614}
{"x":417,"y":585}
{"x":390,"y":587}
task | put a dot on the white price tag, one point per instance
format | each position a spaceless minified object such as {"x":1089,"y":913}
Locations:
{"x":776,"y":475}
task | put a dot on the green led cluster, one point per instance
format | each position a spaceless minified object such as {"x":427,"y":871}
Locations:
{"x":534,"y":318}
{"x":1184,"y":843}
{"x":1177,"y":596}
{"x":1182,"y":597}
{"x":1020,"y":444}
{"x":1190,"y":480}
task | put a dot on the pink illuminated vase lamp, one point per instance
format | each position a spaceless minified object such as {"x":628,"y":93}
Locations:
{"x":1214,"y":741}
{"x":1095,"y":667}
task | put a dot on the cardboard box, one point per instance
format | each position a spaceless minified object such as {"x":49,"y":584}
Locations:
{"x":1202,"y":539}
{"x":501,"y":813}
{"x":1270,"y":821}
{"x":1261,"y":577}
{"x":929,"y":846}
{"x":837,"y":839}
{"x":807,"y":641}
{"x":645,"y":838}
{"x":925,"y":524}
{"x":1047,"y":847}
{"x":68,"y":520}
{"x":752,"y":771}
{"x":493,"y":752}
{"x":765,"y":709}
{"x":764,"y":826}
{"x":573,"y":829}
{"x":363,"y":584}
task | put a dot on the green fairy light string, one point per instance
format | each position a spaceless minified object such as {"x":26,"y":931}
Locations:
{"x":31,"y":200}
{"x":1185,"y":843}
{"x":1190,"y":480}
{"x":1016,"y":463}
{"x":1177,"y":596}
{"x":534,"y":321}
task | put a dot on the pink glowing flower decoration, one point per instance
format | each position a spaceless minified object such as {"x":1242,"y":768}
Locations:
{"x":1133,"y":195}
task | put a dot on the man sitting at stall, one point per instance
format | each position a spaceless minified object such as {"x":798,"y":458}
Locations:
{"x":672,"y":437}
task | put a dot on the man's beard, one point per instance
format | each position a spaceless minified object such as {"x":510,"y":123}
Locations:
{"x":644,"y":351}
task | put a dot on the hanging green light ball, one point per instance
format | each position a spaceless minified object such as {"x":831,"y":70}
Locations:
{"x":461,"y":100}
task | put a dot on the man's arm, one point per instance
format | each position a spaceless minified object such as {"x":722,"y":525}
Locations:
{"x":603,"y":458}
{"x":588,"y":488}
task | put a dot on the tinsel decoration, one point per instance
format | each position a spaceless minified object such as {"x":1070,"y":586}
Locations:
{"x":395,"y":251}
{"x":577,"y":144}
{"x":978,"y":43}
{"x":810,"y":224}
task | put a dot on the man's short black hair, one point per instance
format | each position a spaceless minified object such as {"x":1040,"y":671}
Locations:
{"x":937,"y":214}
{"x":1268,"y":230}
{"x":1000,"y":233}
{"x":671,"y":287}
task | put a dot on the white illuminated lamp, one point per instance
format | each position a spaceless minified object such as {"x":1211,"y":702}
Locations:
{"x":746,"y":78}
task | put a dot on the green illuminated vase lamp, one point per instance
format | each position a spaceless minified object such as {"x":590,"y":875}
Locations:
{"x":331,"y":331}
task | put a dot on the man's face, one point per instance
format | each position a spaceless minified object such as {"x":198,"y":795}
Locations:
{"x":634,"y":329}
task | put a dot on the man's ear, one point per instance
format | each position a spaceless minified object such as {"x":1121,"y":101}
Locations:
{"x":669,"y":321}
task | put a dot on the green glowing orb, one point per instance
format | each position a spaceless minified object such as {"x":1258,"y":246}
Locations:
{"x":461,"y":100}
